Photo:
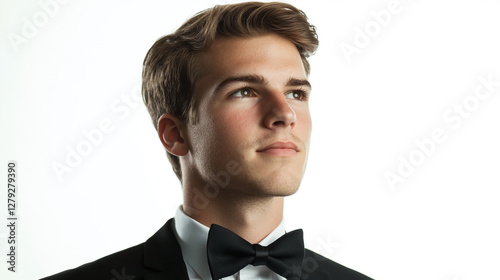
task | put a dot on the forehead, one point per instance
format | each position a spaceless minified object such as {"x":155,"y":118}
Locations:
{"x":270,"y":56}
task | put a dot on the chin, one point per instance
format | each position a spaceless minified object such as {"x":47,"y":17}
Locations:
{"x":270,"y":180}
{"x":286,"y":192}
{"x":268,"y":187}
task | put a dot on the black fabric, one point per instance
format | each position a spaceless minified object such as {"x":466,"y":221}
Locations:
{"x":261,"y":255}
{"x":160,"y":258}
{"x":228,"y":253}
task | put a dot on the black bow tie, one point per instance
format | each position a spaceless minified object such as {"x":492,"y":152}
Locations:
{"x":228,"y":253}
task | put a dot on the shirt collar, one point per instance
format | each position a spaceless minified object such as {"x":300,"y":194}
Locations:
{"x":192,"y":237}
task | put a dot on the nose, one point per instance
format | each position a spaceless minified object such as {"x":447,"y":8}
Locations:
{"x":279,"y":113}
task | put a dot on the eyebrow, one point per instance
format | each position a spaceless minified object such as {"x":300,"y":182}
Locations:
{"x":257,"y":79}
{"x":298,"y":82}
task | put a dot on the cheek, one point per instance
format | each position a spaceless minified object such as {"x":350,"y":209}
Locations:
{"x":231,"y":127}
{"x":234,"y":123}
{"x":304,"y":121}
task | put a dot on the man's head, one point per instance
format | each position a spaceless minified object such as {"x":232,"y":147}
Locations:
{"x":230,"y":82}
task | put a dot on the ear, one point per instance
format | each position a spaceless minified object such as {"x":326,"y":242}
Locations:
{"x":171,"y":133}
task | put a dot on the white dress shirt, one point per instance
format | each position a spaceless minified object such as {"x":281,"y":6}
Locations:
{"x":192,"y":237}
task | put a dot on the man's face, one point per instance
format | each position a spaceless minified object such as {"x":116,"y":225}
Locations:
{"x":253,"y":110}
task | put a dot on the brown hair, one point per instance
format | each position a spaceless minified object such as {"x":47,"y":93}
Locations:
{"x":169,"y":72}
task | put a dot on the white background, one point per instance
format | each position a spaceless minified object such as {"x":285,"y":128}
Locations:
{"x":75,"y":68}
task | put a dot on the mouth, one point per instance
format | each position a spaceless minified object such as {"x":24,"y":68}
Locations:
{"x":280,"y":148}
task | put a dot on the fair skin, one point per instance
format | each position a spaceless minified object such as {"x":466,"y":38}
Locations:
{"x":253,"y":111}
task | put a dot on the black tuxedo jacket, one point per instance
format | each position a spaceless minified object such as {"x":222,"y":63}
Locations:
{"x":160,"y":258}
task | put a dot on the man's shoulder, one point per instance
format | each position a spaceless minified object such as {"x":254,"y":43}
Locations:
{"x":117,"y":265}
{"x":317,"y":267}
{"x":160,"y":256}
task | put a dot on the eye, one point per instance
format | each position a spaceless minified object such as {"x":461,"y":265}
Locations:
{"x":297,"y":95}
{"x":244,"y":92}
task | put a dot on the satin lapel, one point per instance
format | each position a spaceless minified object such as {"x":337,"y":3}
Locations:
{"x":163,"y":254}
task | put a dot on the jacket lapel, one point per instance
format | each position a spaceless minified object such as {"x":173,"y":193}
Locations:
{"x":163,"y":255}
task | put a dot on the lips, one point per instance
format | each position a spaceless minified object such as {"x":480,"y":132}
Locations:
{"x":280,"y":148}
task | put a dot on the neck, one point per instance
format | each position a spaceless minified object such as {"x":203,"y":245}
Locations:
{"x":251,"y":217}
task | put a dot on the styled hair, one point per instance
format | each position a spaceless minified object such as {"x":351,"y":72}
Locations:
{"x":169,"y":69}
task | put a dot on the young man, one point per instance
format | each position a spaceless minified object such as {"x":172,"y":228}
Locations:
{"x":228,"y":94}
